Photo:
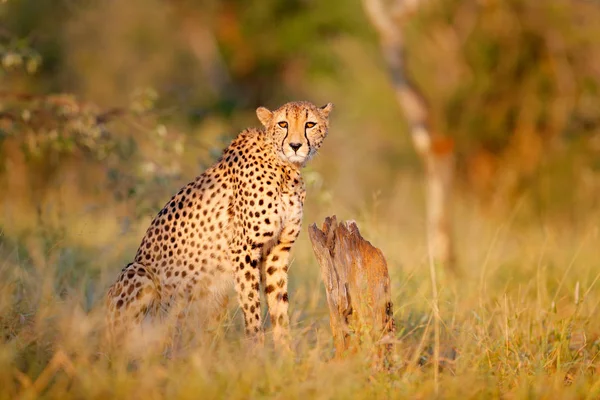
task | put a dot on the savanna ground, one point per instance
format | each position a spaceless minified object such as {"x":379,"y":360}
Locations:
{"x":519,"y":322}
{"x":100,"y":123}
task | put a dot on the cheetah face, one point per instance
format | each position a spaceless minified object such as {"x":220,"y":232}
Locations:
{"x":296,"y":129}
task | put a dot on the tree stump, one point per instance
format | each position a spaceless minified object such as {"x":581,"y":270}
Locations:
{"x":357,"y":283}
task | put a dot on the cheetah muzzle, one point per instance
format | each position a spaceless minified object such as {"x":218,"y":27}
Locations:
{"x":236,"y":222}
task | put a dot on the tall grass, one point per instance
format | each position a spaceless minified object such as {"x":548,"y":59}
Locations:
{"x":518,"y":323}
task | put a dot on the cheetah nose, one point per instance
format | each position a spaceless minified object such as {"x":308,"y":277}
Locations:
{"x":295,"y":146}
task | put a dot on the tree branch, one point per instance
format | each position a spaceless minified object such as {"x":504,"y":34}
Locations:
{"x":392,"y":47}
{"x":436,"y":151}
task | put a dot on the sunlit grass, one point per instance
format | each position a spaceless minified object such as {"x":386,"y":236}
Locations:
{"x":517,"y":323}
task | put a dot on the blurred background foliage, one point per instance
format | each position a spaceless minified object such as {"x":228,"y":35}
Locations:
{"x":107,"y":106}
{"x":515,"y":82}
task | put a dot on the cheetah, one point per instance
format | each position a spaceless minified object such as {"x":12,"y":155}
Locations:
{"x":235,"y":223}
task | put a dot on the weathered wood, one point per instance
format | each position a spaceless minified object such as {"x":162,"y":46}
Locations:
{"x":357,"y":284}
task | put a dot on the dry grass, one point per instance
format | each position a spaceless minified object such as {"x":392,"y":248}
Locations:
{"x":518,"y":323}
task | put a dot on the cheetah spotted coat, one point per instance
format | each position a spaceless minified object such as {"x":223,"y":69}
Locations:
{"x":237,"y":222}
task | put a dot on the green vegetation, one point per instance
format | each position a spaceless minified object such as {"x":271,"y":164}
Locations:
{"x":108,"y":107}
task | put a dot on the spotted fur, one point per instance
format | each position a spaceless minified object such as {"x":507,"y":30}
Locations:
{"x":239,"y":218}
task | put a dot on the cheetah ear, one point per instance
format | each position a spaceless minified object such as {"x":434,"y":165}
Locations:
{"x":326,"y":109}
{"x":264,"y":115}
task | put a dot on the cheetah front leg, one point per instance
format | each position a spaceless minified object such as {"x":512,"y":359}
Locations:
{"x":245,"y":257}
{"x":276,"y":280}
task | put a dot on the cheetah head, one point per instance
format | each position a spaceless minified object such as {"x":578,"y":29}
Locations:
{"x":296,"y":129}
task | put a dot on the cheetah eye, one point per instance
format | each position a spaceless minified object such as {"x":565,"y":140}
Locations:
{"x":310,"y":124}
{"x":282,"y":124}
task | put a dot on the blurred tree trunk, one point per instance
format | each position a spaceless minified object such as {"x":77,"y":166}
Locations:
{"x":357,"y":283}
{"x":436,"y":151}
